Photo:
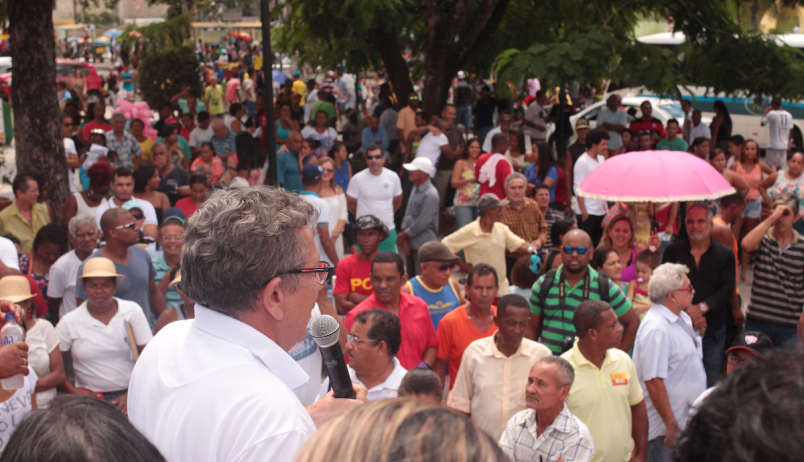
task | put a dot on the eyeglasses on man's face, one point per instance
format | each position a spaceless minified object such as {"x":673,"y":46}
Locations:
{"x":569,"y":250}
{"x":357,"y":341}
{"x":322,"y":273}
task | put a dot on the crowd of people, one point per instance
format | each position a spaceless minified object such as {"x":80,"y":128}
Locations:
{"x":515,"y":319}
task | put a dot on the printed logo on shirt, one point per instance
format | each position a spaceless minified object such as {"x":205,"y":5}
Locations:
{"x":618,"y":378}
{"x":439,"y":305}
{"x":356,"y":283}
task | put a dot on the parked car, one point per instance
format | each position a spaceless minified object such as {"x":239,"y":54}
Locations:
{"x":65,"y":70}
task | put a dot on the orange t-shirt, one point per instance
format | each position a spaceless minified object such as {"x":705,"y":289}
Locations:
{"x":734,"y":249}
{"x":455,"y":333}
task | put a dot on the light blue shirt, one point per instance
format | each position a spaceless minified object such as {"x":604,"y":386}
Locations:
{"x":667,"y":347}
{"x":369,"y":138}
{"x":619,"y":117}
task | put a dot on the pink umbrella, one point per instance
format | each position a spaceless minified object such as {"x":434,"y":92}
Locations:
{"x":655,"y":176}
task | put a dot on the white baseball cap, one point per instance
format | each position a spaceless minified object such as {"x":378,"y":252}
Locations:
{"x":420,"y":164}
{"x":461,"y":74}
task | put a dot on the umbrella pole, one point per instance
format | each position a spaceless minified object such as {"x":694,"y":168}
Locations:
{"x":653,"y":221}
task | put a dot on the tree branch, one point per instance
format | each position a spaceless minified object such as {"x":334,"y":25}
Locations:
{"x":478,"y":34}
{"x":611,"y":16}
{"x":599,"y":11}
{"x":462,"y":8}
{"x":699,"y":21}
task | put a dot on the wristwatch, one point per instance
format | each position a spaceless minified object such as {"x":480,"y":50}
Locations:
{"x":530,"y":249}
{"x":704,"y":307}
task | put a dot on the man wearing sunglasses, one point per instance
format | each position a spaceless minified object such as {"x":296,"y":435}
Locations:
{"x":777,"y":294}
{"x":559,"y":292}
{"x":73,"y":161}
{"x":434,"y":285}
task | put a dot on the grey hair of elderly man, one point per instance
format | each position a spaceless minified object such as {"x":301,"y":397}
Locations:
{"x":665,"y":279}
{"x":81,"y":220}
{"x":238,"y":247}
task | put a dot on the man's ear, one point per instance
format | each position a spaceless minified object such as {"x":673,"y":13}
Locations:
{"x":272,"y":299}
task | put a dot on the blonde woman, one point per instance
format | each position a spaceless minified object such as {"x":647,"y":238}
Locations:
{"x":336,"y":198}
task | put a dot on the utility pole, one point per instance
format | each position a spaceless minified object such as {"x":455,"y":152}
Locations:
{"x":268,"y":91}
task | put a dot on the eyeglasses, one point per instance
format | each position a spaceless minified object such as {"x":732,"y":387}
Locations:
{"x":689,"y":289}
{"x":569,"y":250}
{"x":322,"y":274}
{"x":177,"y":237}
{"x":443,"y":267}
{"x":131,"y":225}
{"x":329,"y":170}
{"x":375,"y":157}
{"x":358,"y":341}
{"x":138,"y":216}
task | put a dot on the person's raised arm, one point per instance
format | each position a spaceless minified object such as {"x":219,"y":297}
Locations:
{"x":158,"y":304}
{"x":752,"y":240}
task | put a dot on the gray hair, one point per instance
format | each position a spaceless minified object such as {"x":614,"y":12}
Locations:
{"x":789,"y":200}
{"x":515,"y":176}
{"x":665,"y":279}
{"x":705,"y":206}
{"x":218,"y":122}
{"x":81,"y":220}
{"x":566,"y":374}
{"x":118,"y":115}
{"x":241,"y":239}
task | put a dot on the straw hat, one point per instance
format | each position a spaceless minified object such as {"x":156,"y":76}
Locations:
{"x":15,"y":289}
{"x":100,"y":267}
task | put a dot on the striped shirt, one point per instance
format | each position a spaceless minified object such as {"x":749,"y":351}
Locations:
{"x":566,"y":437}
{"x":557,"y":320}
{"x":777,"y":294}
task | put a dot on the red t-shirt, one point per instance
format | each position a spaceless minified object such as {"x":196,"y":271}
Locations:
{"x":455,"y":333}
{"x":561,"y":186}
{"x":352,"y":275}
{"x":185,"y":132}
{"x":503,"y":170}
{"x":91,"y":125}
{"x":418,"y":332}
{"x":654,"y":125}
{"x":187,"y":206}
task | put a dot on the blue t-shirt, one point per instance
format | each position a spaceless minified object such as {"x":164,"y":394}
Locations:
{"x":530,"y":173}
{"x":342,"y":175}
{"x":288,"y":173}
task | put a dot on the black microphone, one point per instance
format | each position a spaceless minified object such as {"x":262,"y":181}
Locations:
{"x":325,"y":332}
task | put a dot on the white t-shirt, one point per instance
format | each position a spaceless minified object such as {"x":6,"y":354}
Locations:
{"x":8,"y":254}
{"x":199,"y":135}
{"x":779,"y":125}
{"x":489,"y":136}
{"x":147,"y":209}
{"x":308,"y":356}
{"x":323,"y":220}
{"x":535,"y":114}
{"x":701,"y":131}
{"x":102,"y":358}
{"x":69,"y":148}
{"x":583,"y":167}
{"x":430,"y":148}
{"x":375,"y":194}
{"x":42,"y":339}
{"x":62,"y":280}
{"x":15,"y":408}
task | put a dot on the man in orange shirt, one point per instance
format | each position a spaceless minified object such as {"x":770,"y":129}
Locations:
{"x":469,"y":322}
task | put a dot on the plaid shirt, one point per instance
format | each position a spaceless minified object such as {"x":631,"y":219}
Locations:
{"x":567,"y":436}
{"x":527,"y":223}
{"x":127,"y":149}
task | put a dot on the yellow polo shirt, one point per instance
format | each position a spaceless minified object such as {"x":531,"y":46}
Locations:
{"x":480,"y":247}
{"x":12,"y":222}
{"x":602,"y":399}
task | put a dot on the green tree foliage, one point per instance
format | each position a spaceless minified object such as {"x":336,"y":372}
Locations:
{"x":163,"y":72}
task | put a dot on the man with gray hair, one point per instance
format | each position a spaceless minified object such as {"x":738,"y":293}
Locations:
{"x":777,"y":294}
{"x":711,"y":271}
{"x":523,"y":216}
{"x":668,"y":358}
{"x":223,"y":140}
{"x":251,"y":265}
{"x":123,"y":143}
{"x":547,"y":430}
{"x":84,"y":236}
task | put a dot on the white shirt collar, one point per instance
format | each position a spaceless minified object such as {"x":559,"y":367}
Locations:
{"x":391,"y":383}
{"x":229,"y":329}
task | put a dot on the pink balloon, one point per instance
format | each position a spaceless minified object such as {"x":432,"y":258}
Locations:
{"x":145,"y":113}
{"x":141,"y":105}
{"x":123,"y":104}
{"x":127,"y":113}
{"x":147,"y":123}
{"x":150,"y":133}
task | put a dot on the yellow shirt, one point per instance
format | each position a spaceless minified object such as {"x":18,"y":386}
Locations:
{"x":406,"y":121}
{"x":146,"y":149}
{"x":300,"y":88}
{"x":491,"y":386}
{"x":480,"y":247}
{"x":602,"y":399}
{"x":12,"y":222}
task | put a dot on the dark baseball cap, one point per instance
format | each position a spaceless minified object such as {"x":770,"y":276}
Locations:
{"x":313,"y":171}
{"x":174,"y":213}
{"x":435,"y":251}
{"x":371,"y":222}
{"x":754,"y":342}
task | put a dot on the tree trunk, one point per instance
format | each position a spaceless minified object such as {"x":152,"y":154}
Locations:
{"x":36,"y":112}
{"x":387,"y":46}
{"x":755,"y":14}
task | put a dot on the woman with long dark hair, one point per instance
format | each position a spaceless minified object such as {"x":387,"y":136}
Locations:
{"x":721,"y":125}
{"x":544,"y":170}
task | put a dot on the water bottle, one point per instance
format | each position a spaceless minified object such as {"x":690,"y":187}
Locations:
{"x":12,"y":333}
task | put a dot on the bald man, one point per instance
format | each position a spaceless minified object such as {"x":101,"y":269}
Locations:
{"x":287,"y":161}
{"x":552,"y":311}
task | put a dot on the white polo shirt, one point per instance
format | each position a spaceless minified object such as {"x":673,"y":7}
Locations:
{"x":385,"y":390}
{"x":102,"y":358}
{"x":147,"y":209}
{"x":216,"y":389}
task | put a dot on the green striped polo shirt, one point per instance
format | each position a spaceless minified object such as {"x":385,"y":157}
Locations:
{"x":557,"y":324}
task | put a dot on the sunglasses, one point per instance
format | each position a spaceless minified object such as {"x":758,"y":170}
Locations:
{"x":137,"y":216}
{"x":131,"y":225}
{"x":569,"y":250}
{"x":374,"y":157}
{"x":443,"y":267}
{"x":329,"y":170}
